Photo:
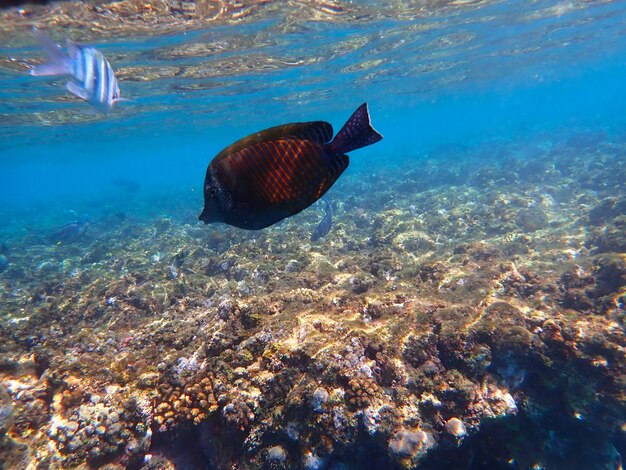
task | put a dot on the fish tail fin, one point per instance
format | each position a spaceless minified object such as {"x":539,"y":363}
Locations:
{"x":357,"y":132}
{"x":59,"y":63}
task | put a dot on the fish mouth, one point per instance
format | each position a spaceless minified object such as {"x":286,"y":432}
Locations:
{"x":207,"y":217}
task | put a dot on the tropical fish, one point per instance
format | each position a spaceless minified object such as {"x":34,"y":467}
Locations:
{"x":276,"y":173}
{"x":324,"y":226}
{"x":93,"y":78}
{"x":70,"y":232}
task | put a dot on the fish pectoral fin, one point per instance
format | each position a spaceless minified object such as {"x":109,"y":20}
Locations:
{"x":77,"y":90}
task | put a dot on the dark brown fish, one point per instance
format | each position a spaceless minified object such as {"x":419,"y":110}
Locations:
{"x":278,"y":172}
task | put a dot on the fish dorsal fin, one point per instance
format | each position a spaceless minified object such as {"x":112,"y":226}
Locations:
{"x":316,"y":131}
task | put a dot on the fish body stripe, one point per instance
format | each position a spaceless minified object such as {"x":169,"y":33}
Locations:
{"x":89,"y":84}
{"x":83,"y":69}
{"x":313,"y":166}
{"x":312,"y":163}
{"x":283,"y":187}
{"x":97,"y":78}
{"x":244,"y":171}
{"x":252,"y":165}
{"x":277,"y":185}
{"x":105,"y":82}
{"x":103,"y":79}
{"x":95,"y":75}
{"x":283,"y":176}
{"x":79,"y":66}
{"x":282,"y":171}
{"x":296,"y":170}
{"x":244,"y":165}
{"x":111,"y":82}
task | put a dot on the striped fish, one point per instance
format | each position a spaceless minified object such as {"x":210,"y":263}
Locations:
{"x":278,"y":172}
{"x":93,"y":78}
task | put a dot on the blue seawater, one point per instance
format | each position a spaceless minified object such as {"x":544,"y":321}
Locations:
{"x":463,"y":92}
{"x":503,"y":70}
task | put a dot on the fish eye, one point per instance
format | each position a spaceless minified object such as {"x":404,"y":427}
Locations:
{"x":213,"y":192}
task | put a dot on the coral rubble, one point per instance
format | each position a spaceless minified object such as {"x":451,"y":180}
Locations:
{"x":434,"y":320}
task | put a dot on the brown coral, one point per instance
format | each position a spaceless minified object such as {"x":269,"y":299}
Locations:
{"x":191,"y":403}
{"x":361,"y":392}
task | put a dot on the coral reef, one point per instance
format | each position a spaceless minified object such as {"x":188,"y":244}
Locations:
{"x":444,"y":319}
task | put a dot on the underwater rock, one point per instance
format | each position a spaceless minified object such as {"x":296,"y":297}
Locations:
{"x":531,"y":220}
{"x":177,"y":404}
{"x":312,"y":461}
{"x":455,"y":427}
{"x":276,"y":457}
{"x":610,"y":274}
{"x":597,"y":289}
{"x":574,"y":288}
{"x":6,"y":410}
{"x":411,"y":445}
{"x":533,"y":169}
{"x":103,"y":428}
{"x":521,"y":282}
{"x":415,"y":242}
{"x":361,"y":392}
{"x":320,"y":397}
{"x":610,"y":280}
{"x":478,"y":359}
{"x":264,"y":352}
{"x":70,"y":232}
{"x":606,"y":210}
{"x":612,"y":238}
{"x":4,"y":263}
{"x":361,"y":283}
{"x":433,"y":273}
{"x":503,"y":329}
